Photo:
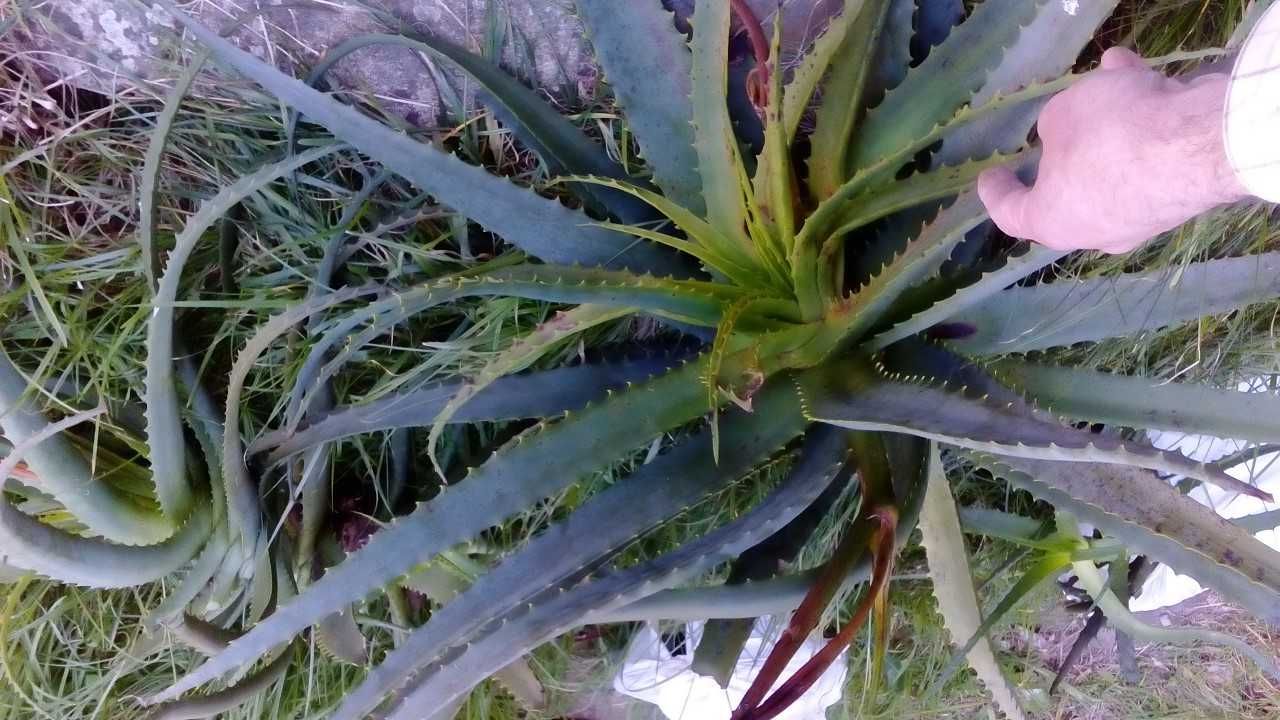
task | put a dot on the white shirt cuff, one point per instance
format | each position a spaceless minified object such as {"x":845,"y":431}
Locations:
{"x":1252,"y":111}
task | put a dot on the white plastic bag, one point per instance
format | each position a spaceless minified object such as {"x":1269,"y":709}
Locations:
{"x":652,"y":674}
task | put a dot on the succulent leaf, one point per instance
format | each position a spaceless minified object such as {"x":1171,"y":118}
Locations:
{"x":62,"y":472}
{"x":531,"y":467}
{"x":1068,"y":312}
{"x":542,"y":394}
{"x":541,"y":226}
{"x":597,"y":531}
{"x":719,"y":161}
{"x":539,"y":125}
{"x":562,"y":608}
{"x":953,"y":586}
{"x":1152,"y":518}
{"x":649,"y":67}
{"x":946,"y":80}
{"x":1145,"y":403}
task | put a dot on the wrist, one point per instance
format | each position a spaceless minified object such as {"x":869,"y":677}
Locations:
{"x":1216,"y":181}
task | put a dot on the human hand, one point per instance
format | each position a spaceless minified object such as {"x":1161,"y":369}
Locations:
{"x":1128,"y":154}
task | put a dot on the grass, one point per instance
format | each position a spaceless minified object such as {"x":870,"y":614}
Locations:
{"x":75,"y":306}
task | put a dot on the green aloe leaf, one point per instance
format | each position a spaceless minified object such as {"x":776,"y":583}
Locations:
{"x":150,"y":175}
{"x":1046,"y":48}
{"x":1118,"y":614}
{"x":535,"y":465}
{"x":62,"y":472}
{"x":946,"y":80}
{"x":563,"y":607}
{"x":784,"y":593}
{"x":1152,"y":518}
{"x":195,"y":580}
{"x":922,"y":257}
{"x":1015,"y":267}
{"x":698,"y":302}
{"x":934,"y":413}
{"x":520,"y":355}
{"x":597,"y":530}
{"x":29,"y":544}
{"x":164,"y":426}
{"x":952,"y":579}
{"x":650,"y":69}
{"x":843,"y":97}
{"x":816,"y":63}
{"x":853,"y":206}
{"x":1145,"y":403}
{"x":541,"y":226}
{"x":565,"y":147}
{"x":774,"y":181}
{"x":1068,"y":312}
{"x":226,"y":700}
{"x":542,"y":394}
{"x":723,"y":639}
{"x":719,"y":162}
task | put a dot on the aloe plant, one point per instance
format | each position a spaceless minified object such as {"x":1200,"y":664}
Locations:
{"x":857,"y":307}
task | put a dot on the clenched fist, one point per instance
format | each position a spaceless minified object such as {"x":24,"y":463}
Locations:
{"x":1128,"y":154}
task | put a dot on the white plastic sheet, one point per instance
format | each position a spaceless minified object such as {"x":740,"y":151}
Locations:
{"x":653,"y":674}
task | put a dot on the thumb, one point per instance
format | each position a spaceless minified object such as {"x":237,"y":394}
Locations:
{"x":1121,"y":58}
{"x":1007,"y":201}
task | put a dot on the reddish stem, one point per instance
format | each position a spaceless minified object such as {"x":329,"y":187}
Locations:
{"x":806,"y":676}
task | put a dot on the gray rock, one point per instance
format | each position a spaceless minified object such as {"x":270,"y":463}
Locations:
{"x":96,"y":43}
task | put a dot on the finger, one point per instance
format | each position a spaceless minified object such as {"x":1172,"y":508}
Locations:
{"x":1007,"y":201}
{"x":1120,"y":58}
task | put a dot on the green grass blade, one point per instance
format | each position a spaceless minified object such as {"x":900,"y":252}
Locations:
{"x":1046,"y":567}
{"x":650,"y":69}
{"x":541,"y":226}
{"x":1145,"y":403}
{"x":952,"y":578}
{"x":1067,"y":312}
